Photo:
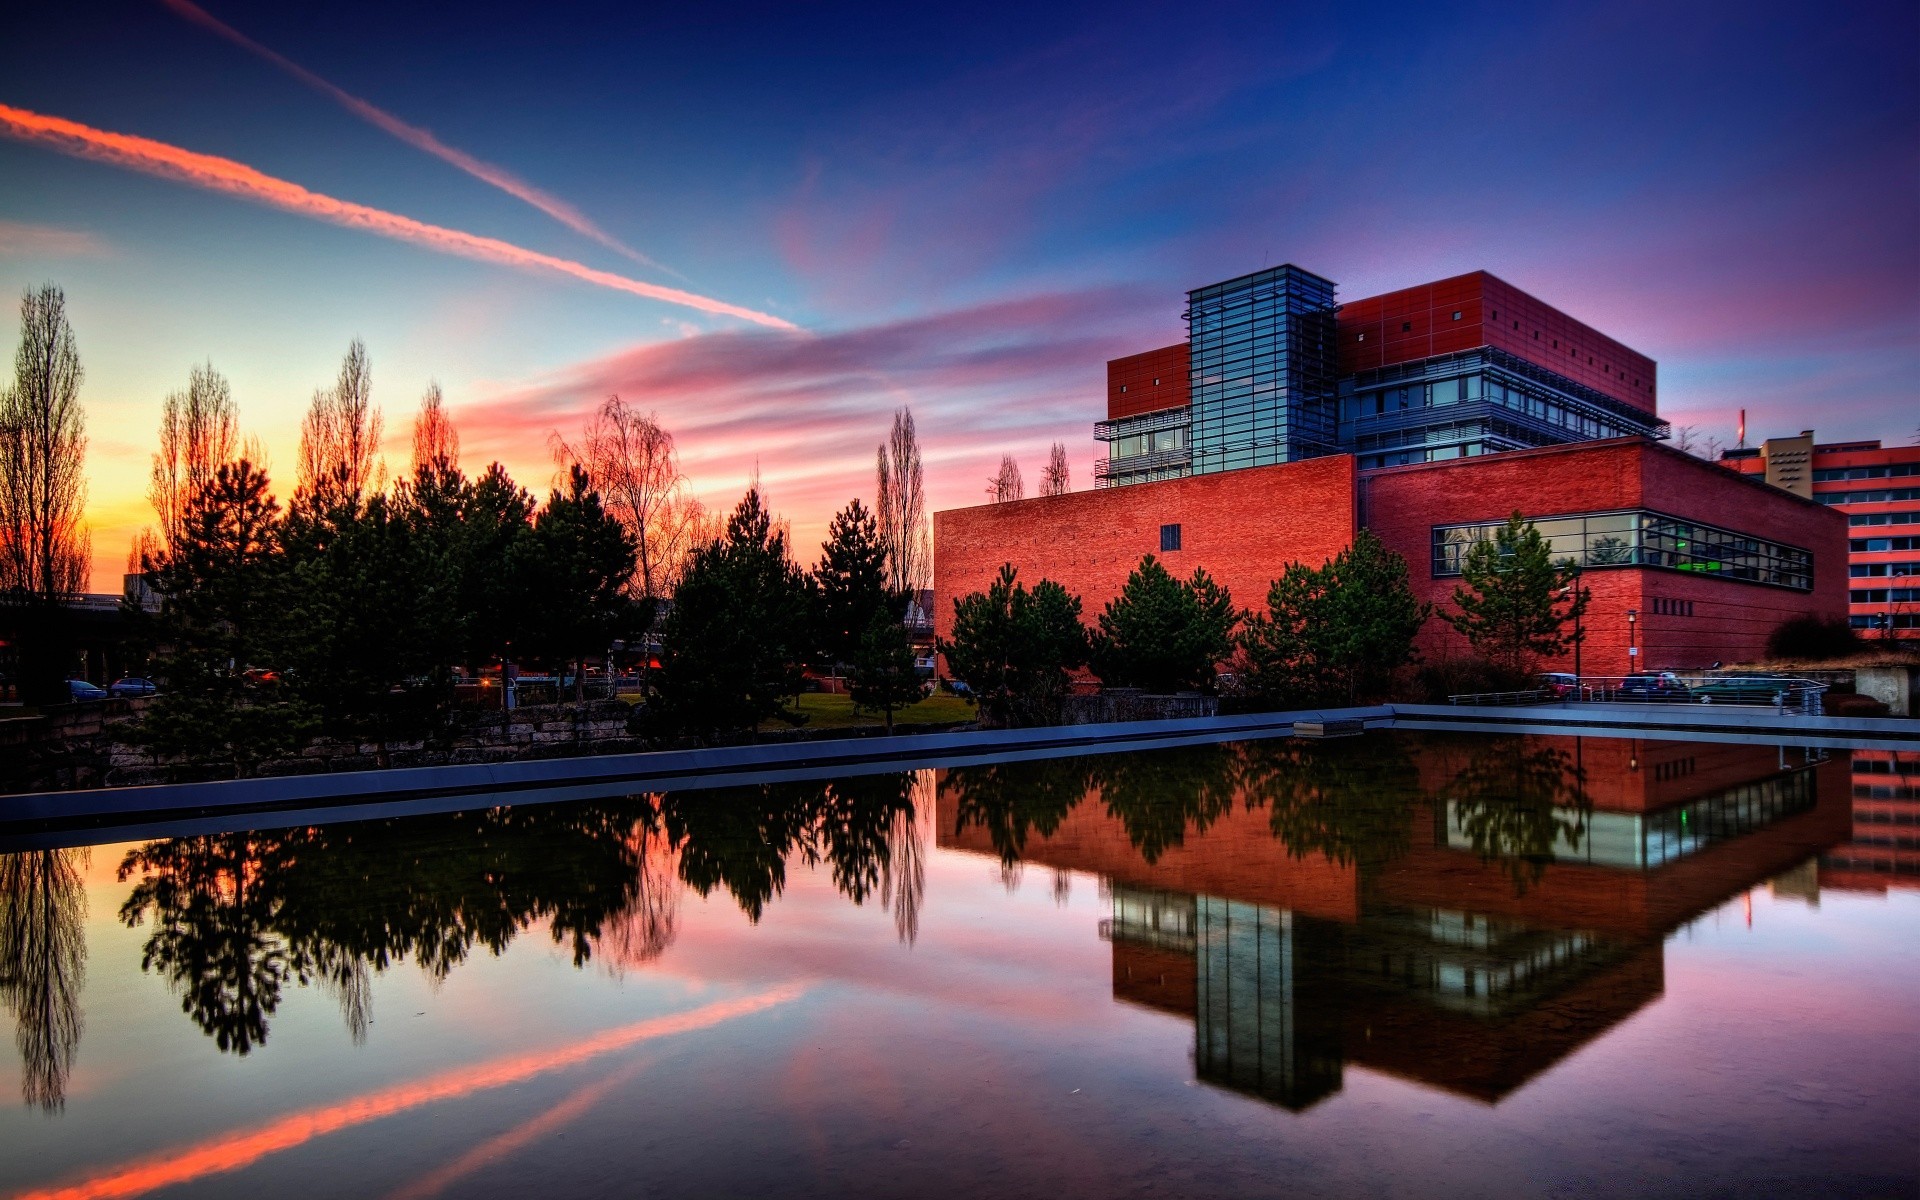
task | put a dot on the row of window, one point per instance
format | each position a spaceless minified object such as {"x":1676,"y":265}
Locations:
{"x":1835,"y":474}
{"x":1880,"y":595}
{"x":1643,"y":538}
{"x":1158,"y":442}
{"x":1879,"y":620}
{"x":1883,"y":570}
{"x":1892,"y":518}
{"x":1879,"y":497}
{"x":1874,"y":545}
{"x":1665,"y":607}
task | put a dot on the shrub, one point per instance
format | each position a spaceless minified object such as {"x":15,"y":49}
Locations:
{"x":1812,"y":638}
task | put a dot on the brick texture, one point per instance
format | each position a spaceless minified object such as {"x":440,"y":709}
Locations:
{"x":1244,"y":527}
{"x":1730,"y":620}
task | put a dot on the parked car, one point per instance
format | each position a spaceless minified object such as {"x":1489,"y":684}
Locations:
{"x":1743,"y":689}
{"x":131,"y":686}
{"x":1664,"y":685}
{"x":1559,"y":684}
{"x":79,"y":691}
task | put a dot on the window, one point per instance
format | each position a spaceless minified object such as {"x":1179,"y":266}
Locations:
{"x":1361,"y":338}
{"x":1169,"y":538}
{"x":1406,"y":327}
{"x":1456,"y":314}
{"x":1647,"y":539}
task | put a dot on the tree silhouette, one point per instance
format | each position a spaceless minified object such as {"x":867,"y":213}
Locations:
{"x":1515,"y":802}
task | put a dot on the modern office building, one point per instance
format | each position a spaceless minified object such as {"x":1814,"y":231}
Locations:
{"x":1286,"y":422}
{"x":1878,"y":488}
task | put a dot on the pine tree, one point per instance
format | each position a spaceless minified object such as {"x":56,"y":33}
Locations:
{"x":1162,"y":634}
{"x":740,"y":627}
{"x":1336,"y":632}
{"x":1515,"y":603}
{"x":852,"y":582}
{"x":1014,"y":648}
{"x":884,"y":679}
{"x":583,"y":559}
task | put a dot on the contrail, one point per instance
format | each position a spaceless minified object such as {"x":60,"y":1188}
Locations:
{"x":238,"y":179}
{"x":230,"y":1152}
{"x":420,"y":139}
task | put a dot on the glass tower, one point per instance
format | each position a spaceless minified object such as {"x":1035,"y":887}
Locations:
{"x":1264,"y":370}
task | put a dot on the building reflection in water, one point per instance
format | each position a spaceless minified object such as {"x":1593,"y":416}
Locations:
{"x":1464,"y":912}
{"x":1884,"y":851}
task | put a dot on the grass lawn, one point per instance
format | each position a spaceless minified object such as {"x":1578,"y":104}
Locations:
{"x":825,"y":710}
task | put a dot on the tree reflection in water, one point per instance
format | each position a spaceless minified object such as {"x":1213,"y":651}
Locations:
{"x":43,"y":962}
{"x":1345,"y":798}
{"x":234,"y":918}
{"x":1158,"y":796}
{"x":1011,"y":800}
{"x":1515,"y":801}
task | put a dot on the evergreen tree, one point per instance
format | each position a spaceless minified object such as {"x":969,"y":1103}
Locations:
{"x":852,"y":578}
{"x":1161,"y":634}
{"x":1515,"y":602}
{"x":494,"y":594}
{"x":221,"y":592}
{"x":740,"y":627}
{"x":584,"y":558}
{"x":883,"y":676}
{"x":358,"y":641}
{"x":1015,"y":647}
{"x":1337,"y":632}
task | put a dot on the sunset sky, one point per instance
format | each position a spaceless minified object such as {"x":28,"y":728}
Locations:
{"x":775,"y":227}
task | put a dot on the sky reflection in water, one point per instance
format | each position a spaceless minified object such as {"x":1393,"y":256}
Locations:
{"x":1399,"y":964}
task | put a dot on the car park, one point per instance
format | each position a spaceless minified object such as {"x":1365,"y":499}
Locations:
{"x":132,"y":687}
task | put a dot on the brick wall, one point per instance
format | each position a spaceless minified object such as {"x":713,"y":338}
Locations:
{"x":1730,"y":620}
{"x":1244,"y":527}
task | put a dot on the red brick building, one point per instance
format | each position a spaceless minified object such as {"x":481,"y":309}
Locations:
{"x":1427,"y":415}
{"x":1878,"y":489}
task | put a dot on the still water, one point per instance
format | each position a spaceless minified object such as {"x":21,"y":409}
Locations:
{"x":1392,"y":965}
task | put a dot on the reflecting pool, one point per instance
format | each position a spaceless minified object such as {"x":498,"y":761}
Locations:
{"x":1397,"y":964}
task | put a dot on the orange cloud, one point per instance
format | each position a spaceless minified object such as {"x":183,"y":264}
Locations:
{"x":230,"y":1152}
{"x":413,"y":135}
{"x":238,"y":179}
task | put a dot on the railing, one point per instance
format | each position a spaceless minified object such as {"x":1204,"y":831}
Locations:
{"x":1781,"y":693}
{"x":1108,"y":468}
{"x":1530,"y":696}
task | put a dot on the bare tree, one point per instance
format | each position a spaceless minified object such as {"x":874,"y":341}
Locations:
{"x":1057,"y":479}
{"x":436,"y":443}
{"x":340,"y":435}
{"x":1006,"y":484}
{"x":632,"y":459}
{"x":1689,"y":440}
{"x":900,"y":502}
{"x":199,"y":430}
{"x":43,"y":446}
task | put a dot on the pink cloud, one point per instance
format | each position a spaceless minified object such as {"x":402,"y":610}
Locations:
{"x":808,"y":410}
{"x":27,"y":239}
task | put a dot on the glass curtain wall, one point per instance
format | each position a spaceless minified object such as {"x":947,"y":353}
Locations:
{"x":1264,"y":370}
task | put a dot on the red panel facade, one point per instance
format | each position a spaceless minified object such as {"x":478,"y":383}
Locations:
{"x":1726,"y":620}
{"x":1148,"y":382}
{"x":1243,"y":526}
{"x":1419,"y":322}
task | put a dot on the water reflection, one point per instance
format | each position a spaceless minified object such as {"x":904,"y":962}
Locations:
{"x":1461,"y":911}
{"x":43,"y":962}
{"x":234,"y":919}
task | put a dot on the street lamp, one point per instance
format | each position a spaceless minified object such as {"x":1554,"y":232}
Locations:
{"x":1633,"y":645}
{"x":1892,"y":579}
{"x":1579,"y":637}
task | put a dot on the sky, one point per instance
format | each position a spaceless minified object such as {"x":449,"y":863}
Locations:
{"x":775,"y":226}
